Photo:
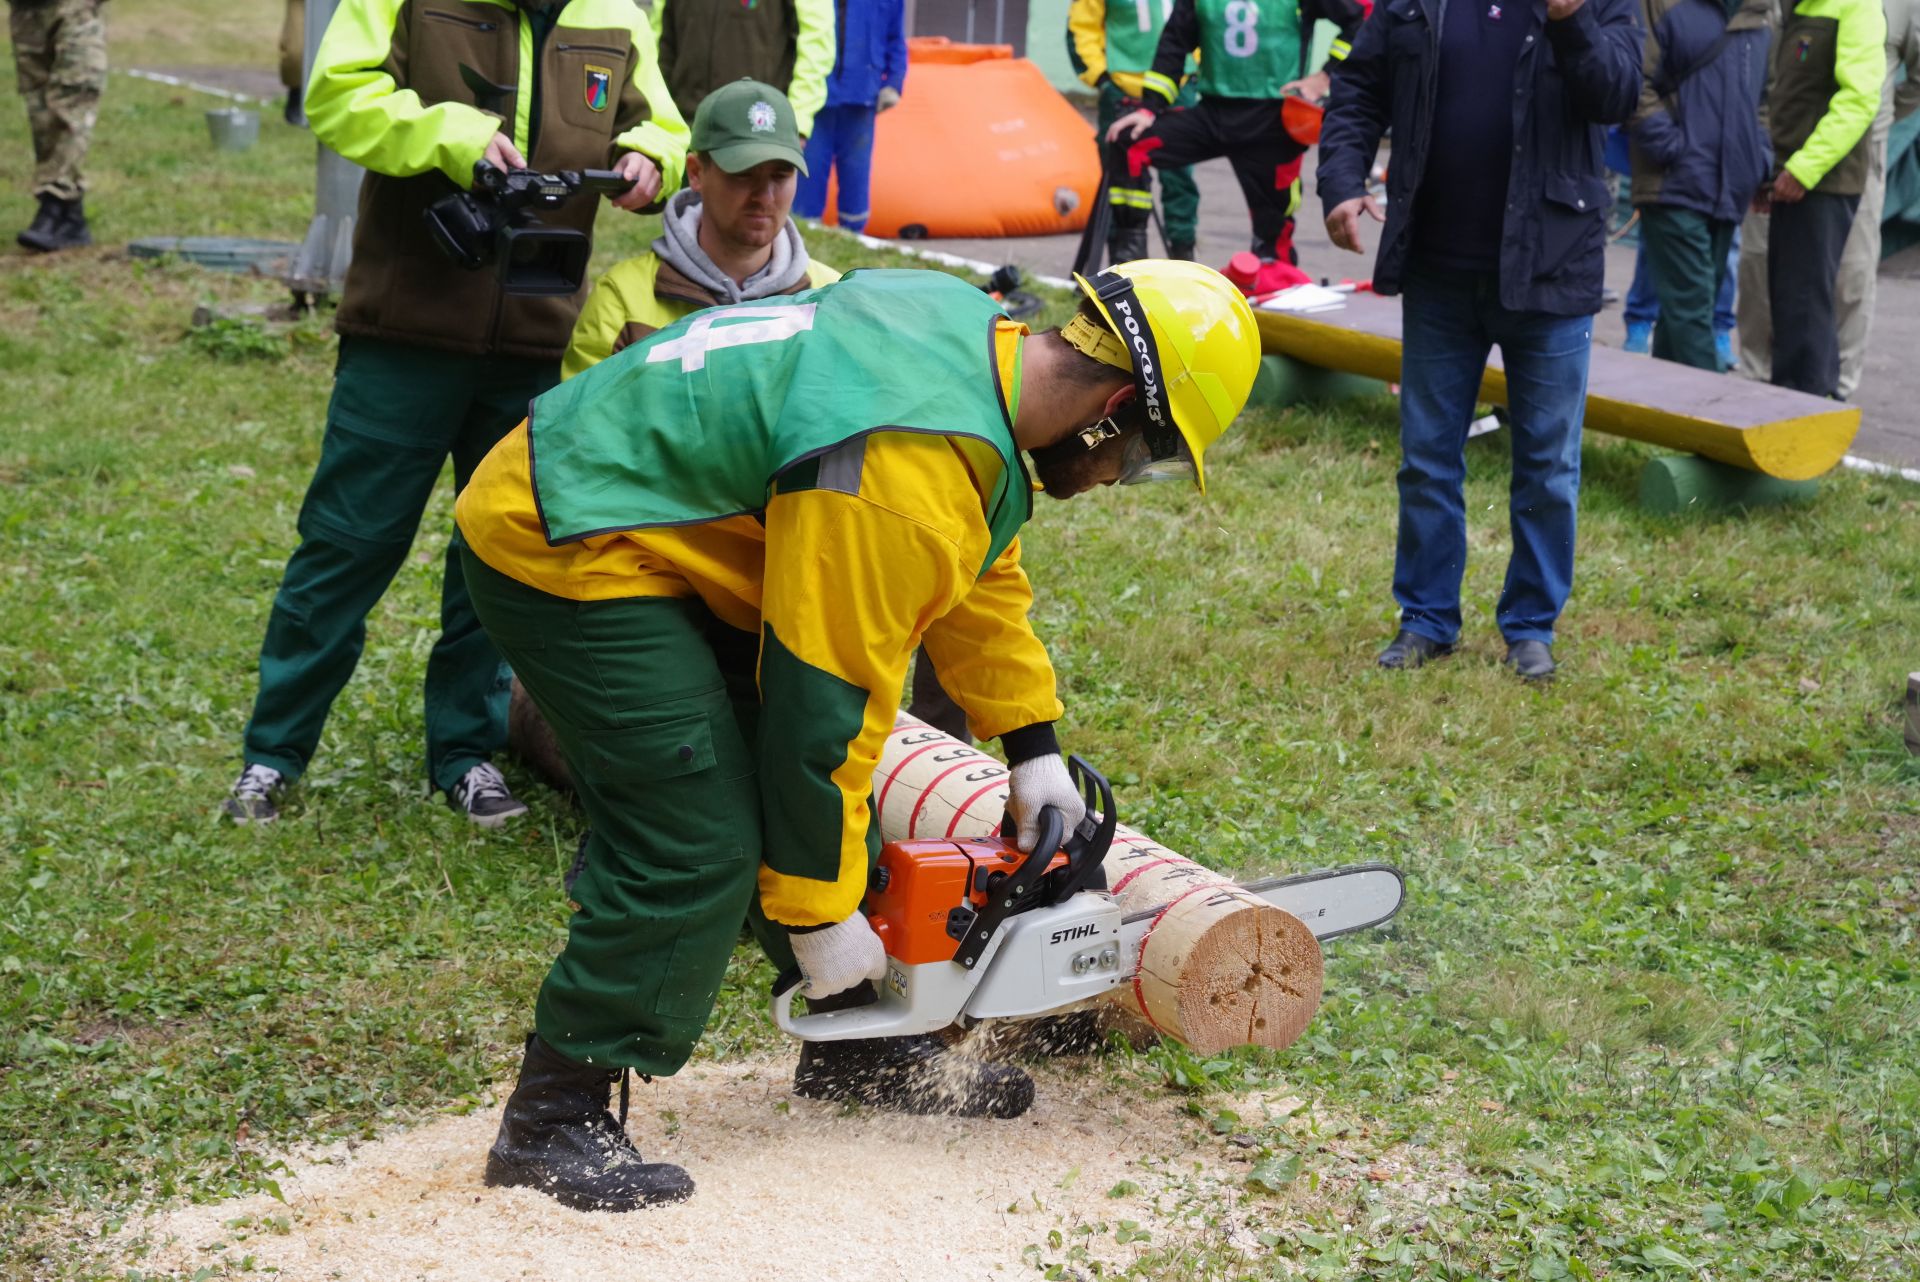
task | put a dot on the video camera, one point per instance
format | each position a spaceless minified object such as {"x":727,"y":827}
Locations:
{"x":498,"y":222}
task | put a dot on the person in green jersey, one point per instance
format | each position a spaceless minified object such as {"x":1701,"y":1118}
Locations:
{"x":710,"y":558}
{"x":1252,"y":54}
{"x":1112,"y":47}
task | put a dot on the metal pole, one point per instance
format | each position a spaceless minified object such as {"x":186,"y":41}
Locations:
{"x":320,"y":268}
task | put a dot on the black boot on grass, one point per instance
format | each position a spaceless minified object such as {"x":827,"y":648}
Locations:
{"x":60,"y":224}
{"x":557,"y":1136}
{"x":914,"y":1074}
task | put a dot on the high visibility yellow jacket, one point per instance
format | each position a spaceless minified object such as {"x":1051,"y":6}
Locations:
{"x":415,"y":91}
{"x":851,"y":572}
{"x":640,"y":295}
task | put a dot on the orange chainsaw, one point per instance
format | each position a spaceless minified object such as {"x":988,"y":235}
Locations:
{"x":978,"y":929}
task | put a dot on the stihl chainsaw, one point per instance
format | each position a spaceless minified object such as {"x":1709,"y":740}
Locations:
{"x":977,"y":929}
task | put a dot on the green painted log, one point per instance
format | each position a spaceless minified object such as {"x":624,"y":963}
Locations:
{"x":1673,"y":483}
{"x":1282,"y":380}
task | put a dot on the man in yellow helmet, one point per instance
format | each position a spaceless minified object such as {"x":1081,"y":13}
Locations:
{"x":710,"y":558}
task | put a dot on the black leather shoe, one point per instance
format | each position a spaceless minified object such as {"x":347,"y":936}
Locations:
{"x":1410,"y":650}
{"x":557,"y":1136}
{"x":1533,"y":660}
{"x":1181,"y":251}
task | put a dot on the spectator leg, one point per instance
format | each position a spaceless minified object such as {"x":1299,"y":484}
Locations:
{"x":853,"y":157}
{"x":1685,"y":254}
{"x":1806,"y":342}
{"x":1444,"y":353}
{"x":810,"y":193}
{"x":1546,"y":363}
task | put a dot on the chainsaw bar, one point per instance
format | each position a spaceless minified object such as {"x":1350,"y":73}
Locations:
{"x":1331,"y":901}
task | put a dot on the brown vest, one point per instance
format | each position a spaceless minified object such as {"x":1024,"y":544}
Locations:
{"x":708,"y":43}
{"x":400,"y":286}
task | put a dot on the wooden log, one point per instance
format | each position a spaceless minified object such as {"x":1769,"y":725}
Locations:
{"x":1757,"y":426}
{"x":1218,"y":967}
{"x":1671,"y":484}
{"x":1283,"y":381}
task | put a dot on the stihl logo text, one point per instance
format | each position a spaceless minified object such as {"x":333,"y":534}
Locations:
{"x":1066,"y":933}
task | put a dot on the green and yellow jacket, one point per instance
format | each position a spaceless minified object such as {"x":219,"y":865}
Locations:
{"x":820,"y":481}
{"x":415,"y":89}
{"x":1828,"y":68}
{"x":640,"y":295}
{"x":788,"y":44}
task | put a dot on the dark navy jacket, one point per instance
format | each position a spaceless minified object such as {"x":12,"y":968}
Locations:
{"x":1697,"y":138}
{"x":872,"y":51}
{"x":1574,"y":76}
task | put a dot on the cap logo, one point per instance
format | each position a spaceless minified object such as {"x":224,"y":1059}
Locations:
{"x":761,"y":118}
{"x":598,"y":81}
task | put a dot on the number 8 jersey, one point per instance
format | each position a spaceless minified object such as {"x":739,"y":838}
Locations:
{"x":1248,"y":48}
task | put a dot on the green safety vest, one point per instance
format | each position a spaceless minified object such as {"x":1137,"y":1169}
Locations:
{"x":693,"y":423}
{"x":1248,"y":48}
{"x":1133,"y":32}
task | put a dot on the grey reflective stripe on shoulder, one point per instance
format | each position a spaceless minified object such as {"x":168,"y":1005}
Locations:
{"x":840,"y":470}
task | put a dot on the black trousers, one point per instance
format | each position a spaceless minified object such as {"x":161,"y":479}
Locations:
{"x":1803,"y":262}
{"x":1248,"y":132}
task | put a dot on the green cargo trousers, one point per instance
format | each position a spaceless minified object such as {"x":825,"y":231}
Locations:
{"x":1179,"y":193}
{"x":397,"y":412}
{"x":654,"y":705}
{"x":1686,"y":256}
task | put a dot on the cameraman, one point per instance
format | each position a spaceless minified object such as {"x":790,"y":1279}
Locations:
{"x":435,"y":360}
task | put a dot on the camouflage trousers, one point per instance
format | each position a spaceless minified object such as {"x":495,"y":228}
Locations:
{"x":60,"y":53}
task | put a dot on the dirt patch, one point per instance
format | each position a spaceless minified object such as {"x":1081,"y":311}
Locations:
{"x":786,"y":1189}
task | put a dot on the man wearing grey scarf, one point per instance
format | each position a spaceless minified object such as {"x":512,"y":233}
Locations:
{"x":726,"y":238}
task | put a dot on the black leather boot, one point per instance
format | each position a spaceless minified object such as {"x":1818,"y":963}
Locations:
{"x":60,"y":224}
{"x":557,"y":1136}
{"x":914,"y":1074}
{"x":1181,"y":250}
{"x":1124,"y":244}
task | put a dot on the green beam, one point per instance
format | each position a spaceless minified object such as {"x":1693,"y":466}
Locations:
{"x":1675,"y":483}
{"x":1282,"y":380}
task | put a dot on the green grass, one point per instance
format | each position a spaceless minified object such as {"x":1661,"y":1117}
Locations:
{"x":1651,"y":1010}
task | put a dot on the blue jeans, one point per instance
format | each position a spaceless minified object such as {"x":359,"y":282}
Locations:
{"x":842,"y":139}
{"x":1450,"y":323}
{"x":1643,"y":308}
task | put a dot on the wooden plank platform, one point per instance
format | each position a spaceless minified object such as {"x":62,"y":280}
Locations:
{"x":1765,"y":429}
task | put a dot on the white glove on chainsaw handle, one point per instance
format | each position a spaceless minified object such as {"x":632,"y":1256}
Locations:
{"x":835,"y":959}
{"x":1038,"y":783}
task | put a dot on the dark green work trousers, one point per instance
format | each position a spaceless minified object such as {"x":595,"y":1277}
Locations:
{"x":653,"y":703}
{"x":1686,"y":259}
{"x":397,"y":413}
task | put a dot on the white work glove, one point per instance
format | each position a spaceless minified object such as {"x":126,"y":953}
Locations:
{"x":835,"y":959}
{"x":1042,"y":781}
{"x":887,"y":97}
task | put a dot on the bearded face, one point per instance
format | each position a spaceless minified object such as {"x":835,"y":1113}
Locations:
{"x":1068,"y":467}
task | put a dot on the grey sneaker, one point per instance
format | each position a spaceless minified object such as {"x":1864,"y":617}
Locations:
{"x":483,"y":796}
{"x":255,"y":796}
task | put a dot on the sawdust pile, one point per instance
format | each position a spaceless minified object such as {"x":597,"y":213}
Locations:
{"x":787,"y":1188}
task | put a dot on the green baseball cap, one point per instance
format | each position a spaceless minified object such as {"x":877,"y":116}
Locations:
{"x":744,"y":123}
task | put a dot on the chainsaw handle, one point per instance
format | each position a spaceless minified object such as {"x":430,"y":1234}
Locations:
{"x":786,"y":986}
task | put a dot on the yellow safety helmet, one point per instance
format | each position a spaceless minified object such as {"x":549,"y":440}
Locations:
{"x":1190,"y":338}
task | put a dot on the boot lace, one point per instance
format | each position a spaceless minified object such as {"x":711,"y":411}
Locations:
{"x":484,"y":781}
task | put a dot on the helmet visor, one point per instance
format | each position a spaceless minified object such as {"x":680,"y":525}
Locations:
{"x":1138,"y":466}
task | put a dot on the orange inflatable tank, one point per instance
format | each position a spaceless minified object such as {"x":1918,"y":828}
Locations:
{"x":980,"y":145}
